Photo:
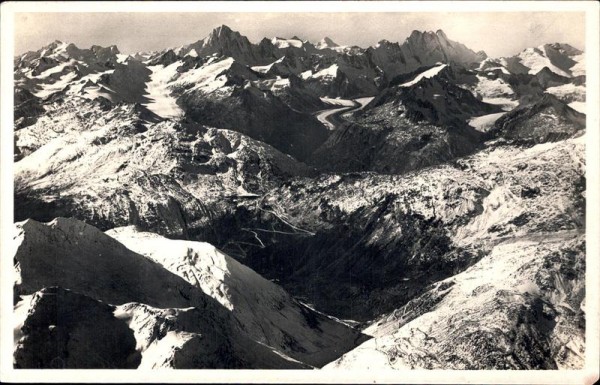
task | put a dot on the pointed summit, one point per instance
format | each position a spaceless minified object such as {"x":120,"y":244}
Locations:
{"x":441,"y":34}
{"x":437,"y":46}
{"x":414,"y":35}
{"x":222,"y":30}
{"x":222,"y":33}
{"x":223,"y":41}
{"x":326,"y":42}
{"x":53,"y":46}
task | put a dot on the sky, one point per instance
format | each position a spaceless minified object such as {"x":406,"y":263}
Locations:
{"x":498,"y":33}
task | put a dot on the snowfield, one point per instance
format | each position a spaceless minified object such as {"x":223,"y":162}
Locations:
{"x":579,"y":68}
{"x":59,"y":85}
{"x":425,"y":75}
{"x":327,"y":73}
{"x":266,"y":68}
{"x":535,"y":59}
{"x":162,"y":102}
{"x":485,"y":122}
{"x":578,"y":106}
{"x":285,"y":43}
{"x":570,"y":93}
{"x":207,"y":78}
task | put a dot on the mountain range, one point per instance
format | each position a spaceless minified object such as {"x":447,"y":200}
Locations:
{"x":289,"y":204}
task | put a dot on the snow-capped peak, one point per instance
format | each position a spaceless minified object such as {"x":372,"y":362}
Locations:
{"x":281,"y":42}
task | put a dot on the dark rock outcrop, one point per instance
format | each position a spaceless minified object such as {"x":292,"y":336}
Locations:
{"x":68,"y":330}
{"x":545,"y":120}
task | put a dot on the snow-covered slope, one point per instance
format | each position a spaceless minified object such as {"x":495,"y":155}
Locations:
{"x":535,"y":59}
{"x":190,"y":283}
{"x":182,"y":339}
{"x":327,"y":43}
{"x":561,"y":59}
{"x":485,"y":122}
{"x":161,"y":101}
{"x":280,"y":42}
{"x":494,"y":91}
{"x":424,"y":75}
{"x":70,"y":254}
{"x":572,"y":94}
{"x":263,"y":309}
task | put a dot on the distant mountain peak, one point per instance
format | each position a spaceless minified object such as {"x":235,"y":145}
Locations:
{"x":53,"y":45}
{"x":426,"y":35}
{"x":565,"y":48}
{"x":426,"y":42}
{"x":222,"y":29}
{"x":111,"y":48}
{"x":326,"y":42}
{"x":441,"y":34}
{"x":386,"y":43}
{"x":224,"y":41}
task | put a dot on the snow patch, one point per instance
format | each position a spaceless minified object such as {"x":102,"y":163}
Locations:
{"x":568,"y":91}
{"x":20,"y":312}
{"x":485,"y":122}
{"x":267,"y":68}
{"x":578,"y":106}
{"x":329,"y":72}
{"x":579,"y":68}
{"x":425,"y":74}
{"x":122,"y":58}
{"x":306,"y":74}
{"x":59,"y":85}
{"x":535,"y":59}
{"x":56,"y":69}
{"x":207,"y":78}
{"x":286,"y":43}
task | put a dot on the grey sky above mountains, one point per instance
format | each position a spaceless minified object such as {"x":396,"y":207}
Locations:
{"x":496,"y":33}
